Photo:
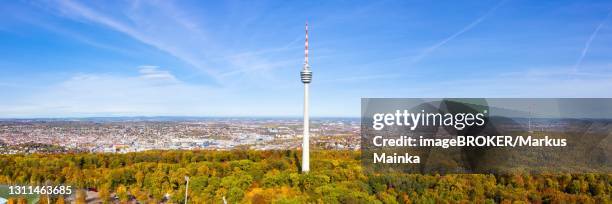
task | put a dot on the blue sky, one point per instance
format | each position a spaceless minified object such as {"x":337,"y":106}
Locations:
{"x":242,"y":58}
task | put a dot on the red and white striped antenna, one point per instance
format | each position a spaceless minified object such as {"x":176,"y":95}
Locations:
{"x":306,"y":47}
{"x":306,"y":74}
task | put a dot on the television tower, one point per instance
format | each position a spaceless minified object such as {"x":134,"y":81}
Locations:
{"x":306,"y":76}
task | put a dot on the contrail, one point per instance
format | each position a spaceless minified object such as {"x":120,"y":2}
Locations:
{"x":587,"y":45}
{"x":474,"y":23}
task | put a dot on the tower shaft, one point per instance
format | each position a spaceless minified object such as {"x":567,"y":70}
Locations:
{"x":306,"y":137}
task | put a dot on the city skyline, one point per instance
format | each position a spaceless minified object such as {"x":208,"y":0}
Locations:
{"x":76,"y":59}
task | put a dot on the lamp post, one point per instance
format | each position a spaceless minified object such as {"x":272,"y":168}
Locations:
{"x":186,"y":188}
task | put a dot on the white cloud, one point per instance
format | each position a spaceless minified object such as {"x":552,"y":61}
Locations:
{"x":152,"y":91}
{"x":141,"y":31}
{"x":587,"y":44}
{"x":429,"y":50}
{"x":153,"y":73}
{"x":167,"y":28}
{"x":535,"y":83}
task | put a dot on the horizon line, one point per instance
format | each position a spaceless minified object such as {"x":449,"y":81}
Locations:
{"x":166,"y":116}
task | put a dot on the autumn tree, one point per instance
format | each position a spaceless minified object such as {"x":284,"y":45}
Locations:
{"x":60,"y":200}
{"x":104,"y":192}
{"x":81,"y":197}
{"x":122,"y":193}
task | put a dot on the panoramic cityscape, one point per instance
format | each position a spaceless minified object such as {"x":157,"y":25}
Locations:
{"x":122,"y":135}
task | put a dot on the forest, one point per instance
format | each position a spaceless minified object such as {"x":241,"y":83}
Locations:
{"x":249,"y":176}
